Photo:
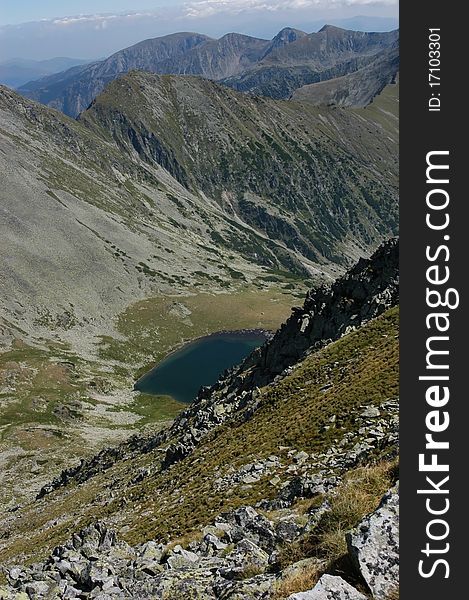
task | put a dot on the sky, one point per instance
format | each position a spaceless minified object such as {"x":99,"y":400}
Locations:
{"x":90,"y":29}
{"x":22,"y":11}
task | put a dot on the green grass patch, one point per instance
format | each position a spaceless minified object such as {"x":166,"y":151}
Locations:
{"x":156,"y":408}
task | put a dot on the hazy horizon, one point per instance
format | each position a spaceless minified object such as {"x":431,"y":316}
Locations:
{"x":52,"y":32}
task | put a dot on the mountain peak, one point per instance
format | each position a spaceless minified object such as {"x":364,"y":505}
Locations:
{"x":290,"y":33}
{"x":331,"y":28}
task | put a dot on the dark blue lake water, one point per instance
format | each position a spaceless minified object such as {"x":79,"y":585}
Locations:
{"x":201,"y":362}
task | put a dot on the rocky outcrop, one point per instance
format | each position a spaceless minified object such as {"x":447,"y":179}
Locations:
{"x":94,"y":564}
{"x":330,"y":588}
{"x":234,"y":558}
{"x":374,"y":547}
{"x":366,"y":291}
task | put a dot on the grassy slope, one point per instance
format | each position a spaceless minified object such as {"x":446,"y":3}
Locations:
{"x":384,"y":110}
{"x":363,"y":368}
{"x":155,"y":326}
{"x":52,"y":400}
{"x":322,"y":181}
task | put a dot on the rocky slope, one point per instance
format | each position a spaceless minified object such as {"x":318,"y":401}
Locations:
{"x":223,"y":565}
{"x":355,"y":89}
{"x":326,"y":55}
{"x":87,"y":229}
{"x":252,"y":493}
{"x":279,"y":167}
{"x":272,"y":183}
{"x":273,"y":68}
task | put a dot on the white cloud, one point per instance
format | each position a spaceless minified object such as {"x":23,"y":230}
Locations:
{"x":208,"y":8}
{"x":99,"y":21}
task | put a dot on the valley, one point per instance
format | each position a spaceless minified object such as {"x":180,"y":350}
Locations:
{"x":288,"y":447}
{"x":96,"y":265}
{"x":184,"y":187}
{"x":58,"y":407}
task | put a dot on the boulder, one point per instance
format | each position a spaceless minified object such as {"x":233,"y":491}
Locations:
{"x":190,"y":584}
{"x":287,"y":531}
{"x":330,"y":587}
{"x":246,"y":555}
{"x":181,"y":558}
{"x":247,"y":523}
{"x":40,"y":589}
{"x":256,"y":588}
{"x":370,"y":412}
{"x":374,"y":546}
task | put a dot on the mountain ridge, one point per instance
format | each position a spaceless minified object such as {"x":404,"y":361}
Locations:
{"x":242,"y":62}
{"x":234,"y":132}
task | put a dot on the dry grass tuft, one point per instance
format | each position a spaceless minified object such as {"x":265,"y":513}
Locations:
{"x":358,"y":495}
{"x":299,"y":580}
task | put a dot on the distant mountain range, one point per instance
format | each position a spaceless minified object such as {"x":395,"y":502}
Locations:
{"x":274,"y":68}
{"x":18,"y":71}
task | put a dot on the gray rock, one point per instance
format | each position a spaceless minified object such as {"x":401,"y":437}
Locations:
{"x":256,"y":588}
{"x":15,"y":573}
{"x":371,"y":412}
{"x":329,"y":588}
{"x":246,"y":554}
{"x":287,"y":531}
{"x":152,"y":550}
{"x":249,"y":524}
{"x":300,"y":457}
{"x":38,"y":589}
{"x":213,"y":541}
{"x":181,"y":558}
{"x":374,"y":546}
{"x":10,"y":595}
{"x":190,"y":584}
{"x":70,"y":593}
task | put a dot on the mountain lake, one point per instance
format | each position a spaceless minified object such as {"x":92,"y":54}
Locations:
{"x":182,"y":373}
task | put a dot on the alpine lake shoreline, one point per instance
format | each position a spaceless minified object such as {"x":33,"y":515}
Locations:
{"x":60,"y":407}
{"x":245,"y":340}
